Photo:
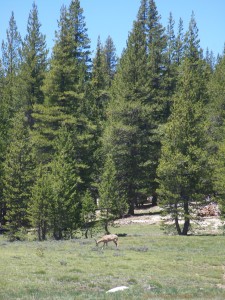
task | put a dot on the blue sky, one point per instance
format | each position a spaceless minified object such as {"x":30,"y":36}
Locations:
{"x":115,"y":18}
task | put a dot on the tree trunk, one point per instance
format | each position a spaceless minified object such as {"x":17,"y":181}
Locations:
{"x":177,"y":220}
{"x":131,"y":208}
{"x":86,"y":233}
{"x":154,"y":198}
{"x":186,"y":226}
{"x":177,"y":225}
{"x":187,"y":218}
{"x":106,"y":227}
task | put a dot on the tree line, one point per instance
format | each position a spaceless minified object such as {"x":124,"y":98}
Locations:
{"x":75,"y":128}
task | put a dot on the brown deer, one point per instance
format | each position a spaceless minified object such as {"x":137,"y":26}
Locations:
{"x":108,"y":238}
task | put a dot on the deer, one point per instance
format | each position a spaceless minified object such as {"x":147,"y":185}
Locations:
{"x":108,"y":238}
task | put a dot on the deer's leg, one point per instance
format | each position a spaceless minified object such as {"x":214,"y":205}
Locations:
{"x":115,"y":242}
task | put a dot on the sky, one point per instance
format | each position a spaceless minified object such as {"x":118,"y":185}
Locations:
{"x":115,"y":18}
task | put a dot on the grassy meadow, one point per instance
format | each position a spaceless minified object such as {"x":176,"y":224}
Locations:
{"x":153,"y":265}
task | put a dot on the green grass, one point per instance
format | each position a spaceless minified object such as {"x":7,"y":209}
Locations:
{"x":151,"y":264}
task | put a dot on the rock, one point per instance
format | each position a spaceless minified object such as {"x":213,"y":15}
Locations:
{"x":210,"y":210}
{"x":116,"y":289}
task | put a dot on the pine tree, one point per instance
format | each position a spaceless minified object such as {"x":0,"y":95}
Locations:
{"x":66,"y":205}
{"x":18,"y":175}
{"x":97,"y":100}
{"x":3,"y":141}
{"x":88,"y":215}
{"x":112,"y":202}
{"x":184,"y":171}
{"x":66,"y":84}
{"x":179,"y":53}
{"x":39,"y":206}
{"x":156,"y":43}
{"x":58,"y":88}
{"x":216,"y":104}
{"x":34,"y":55}
{"x":55,"y":206}
{"x":11,"y":59}
{"x":111,"y":60}
{"x":80,"y":40}
{"x":216,"y":117}
{"x":171,"y":73}
{"x":138,"y":106}
{"x":99,"y":84}
{"x":192,"y":41}
{"x":103,"y":71}
{"x":10,"y":99}
{"x":210,"y":59}
{"x":158,"y":86}
{"x":126,"y":132}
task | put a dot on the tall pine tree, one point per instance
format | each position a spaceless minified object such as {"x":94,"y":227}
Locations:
{"x":11,"y":59}
{"x":184,"y":171}
{"x":127,"y":132}
{"x":112,"y":203}
{"x":34,"y":56}
{"x":10,"y":99}
{"x":18,"y":174}
{"x":216,"y":129}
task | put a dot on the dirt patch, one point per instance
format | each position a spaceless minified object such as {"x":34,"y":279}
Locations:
{"x":144,"y":219}
{"x":152,"y":216}
{"x":144,"y":215}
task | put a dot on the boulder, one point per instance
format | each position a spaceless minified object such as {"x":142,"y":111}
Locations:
{"x":116,"y":289}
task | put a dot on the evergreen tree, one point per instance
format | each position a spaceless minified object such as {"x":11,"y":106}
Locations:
{"x":179,"y":44}
{"x":34,"y":55}
{"x":11,"y":59}
{"x":3,"y":141}
{"x":126,"y":132}
{"x":103,"y":71}
{"x":138,"y":106}
{"x":170,"y":76}
{"x":210,"y":59}
{"x":112,"y":202}
{"x":42,"y":196}
{"x":216,"y":128}
{"x":184,"y":171}
{"x":192,"y":41}
{"x":216,"y":105}
{"x":80,"y":40}
{"x":88,"y":215}
{"x":171,"y":40}
{"x":55,"y":206}
{"x":66,"y":205}
{"x":158,"y":86}
{"x":111,"y":60}
{"x":18,"y":174}
{"x":65,"y":83}
{"x":47,"y":123}
{"x":10,"y":100}
{"x":156,"y":43}
{"x":98,"y":98}
{"x":98,"y":84}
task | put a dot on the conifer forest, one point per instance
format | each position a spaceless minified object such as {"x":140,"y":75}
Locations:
{"x":81,"y":131}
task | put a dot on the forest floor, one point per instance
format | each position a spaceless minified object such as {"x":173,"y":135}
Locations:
{"x":148,"y":215}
